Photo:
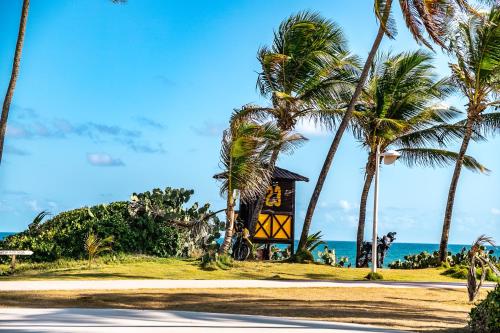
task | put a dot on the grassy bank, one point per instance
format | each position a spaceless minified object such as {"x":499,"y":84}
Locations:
{"x":430,"y":310}
{"x":133,"y":267}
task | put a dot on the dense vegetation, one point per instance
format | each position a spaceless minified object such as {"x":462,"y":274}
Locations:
{"x":457,"y":264}
{"x":154,"y":223}
{"x":485,"y":317}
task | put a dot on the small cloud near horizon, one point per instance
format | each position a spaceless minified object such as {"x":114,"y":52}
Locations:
{"x":495,"y":211}
{"x":103,"y":159}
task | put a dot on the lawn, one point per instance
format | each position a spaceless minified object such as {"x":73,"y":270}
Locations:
{"x":158,"y":268}
{"x":430,"y":310}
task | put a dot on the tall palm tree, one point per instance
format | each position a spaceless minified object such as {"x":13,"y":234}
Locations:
{"x":15,"y":72}
{"x":421,"y":16}
{"x":306,"y":67}
{"x":246,"y":150}
{"x":13,"y":75}
{"x":398,"y":110}
{"x":476,"y":72}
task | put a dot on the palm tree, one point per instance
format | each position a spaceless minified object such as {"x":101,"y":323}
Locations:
{"x":246,"y":150}
{"x":14,"y":74}
{"x":397,"y":110}
{"x":95,"y":246}
{"x":476,"y":72}
{"x":306,"y":67}
{"x":432,"y":17}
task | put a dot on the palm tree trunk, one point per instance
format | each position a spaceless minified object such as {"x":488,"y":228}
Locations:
{"x":260,"y":201}
{"x":13,"y":76}
{"x":228,"y":235}
{"x":340,"y":131}
{"x":443,"y":251}
{"x":370,"y":171}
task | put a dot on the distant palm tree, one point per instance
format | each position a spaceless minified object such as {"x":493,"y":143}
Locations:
{"x":421,"y":16}
{"x":476,"y":72}
{"x":246,"y":150}
{"x":398,"y":110}
{"x":14,"y":74}
{"x":307,"y":66}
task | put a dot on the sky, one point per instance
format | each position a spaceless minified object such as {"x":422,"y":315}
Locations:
{"x":115,"y":99}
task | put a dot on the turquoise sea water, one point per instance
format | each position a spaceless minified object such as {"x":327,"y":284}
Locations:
{"x":5,"y":234}
{"x":348,"y":249}
{"x":396,"y":251}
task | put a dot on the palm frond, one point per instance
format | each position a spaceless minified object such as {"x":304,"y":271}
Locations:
{"x":488,"y":124}
{"x":442,"y":135}
{"x":427,"y":157}
{"x":314,"y":240}
{"x":383,"y":12}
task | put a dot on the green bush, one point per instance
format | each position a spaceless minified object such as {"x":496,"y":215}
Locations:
{"x":461,"y":272}
{"x":457,"y":272}
{"x":144,"y":225}
{"x":374,"y":276}
{"x":303,"y":256}
{"x":414,"y":261}
{"x":485,"y":316}
{"x":428,"y":260}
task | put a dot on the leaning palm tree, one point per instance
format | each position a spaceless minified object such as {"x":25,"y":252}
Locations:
{"x":478,"y":254}
{"x":398,"y":110}
{"x":246,"y":150}
{"x":307,"y":66}
{"x":421,"y":16}
{"x":13,"y":76}
{"x":15,"y":72}
{"x":476,"y":72}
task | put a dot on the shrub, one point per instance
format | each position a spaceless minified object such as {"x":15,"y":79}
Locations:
{"x":374,"y":276}
{"x":427,"y":260}
{"x":457,"y":272}
{"x":211,"y":261}
{"x":461,"y":272}
{"x":303,"y":256}
{"x":328,"y":256}
{"x":421,"y":260}
{"x":485,"y":316}
{"x":153,"y":223}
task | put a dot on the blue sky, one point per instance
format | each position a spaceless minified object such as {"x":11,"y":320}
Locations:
{"x":115,"y":99}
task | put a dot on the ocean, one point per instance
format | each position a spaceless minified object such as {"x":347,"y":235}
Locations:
{"x":396,"y":251}
{"x":348,"y":249}
{"x":5,"y":234}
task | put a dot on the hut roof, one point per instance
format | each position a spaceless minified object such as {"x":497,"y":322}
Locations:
{"x":279,"y":173}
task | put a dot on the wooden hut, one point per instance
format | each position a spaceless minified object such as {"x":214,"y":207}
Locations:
{"x":276,"y":221}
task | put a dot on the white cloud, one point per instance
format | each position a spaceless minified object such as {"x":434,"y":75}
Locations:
{"x":103,"y":159}
{"x":17,"y":132}
{"x":34,"y":205}
{"x":345,"y":205}
{"x":309,"y":128}
{"x":495,"y":211}
{"x":441,"y":105}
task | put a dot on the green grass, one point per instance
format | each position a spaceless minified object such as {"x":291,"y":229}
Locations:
{"x":142,"y":267}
